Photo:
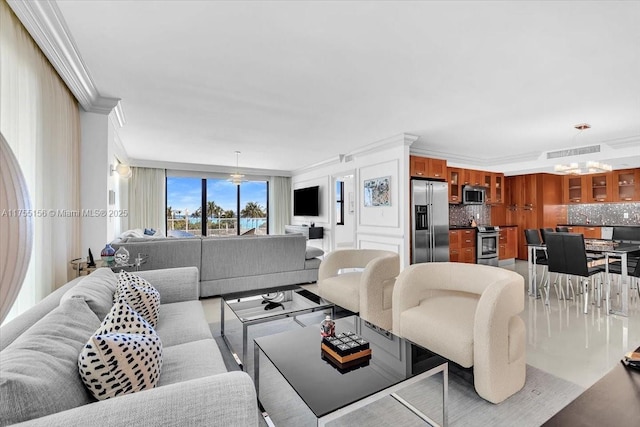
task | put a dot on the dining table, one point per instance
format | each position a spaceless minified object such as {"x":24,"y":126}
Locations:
{"x":611,"y":250}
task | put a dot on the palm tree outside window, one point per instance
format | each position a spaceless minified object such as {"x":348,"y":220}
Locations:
{"x":231,"y":210}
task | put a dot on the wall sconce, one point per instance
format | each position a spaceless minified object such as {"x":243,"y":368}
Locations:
{"x":123,"y":171}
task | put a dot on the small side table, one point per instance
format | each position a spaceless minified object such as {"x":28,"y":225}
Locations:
{"x":80,"y":267}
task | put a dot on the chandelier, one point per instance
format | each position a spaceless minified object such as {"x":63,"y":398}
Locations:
{"x":586,"y":167}
{"x":237,"y":178}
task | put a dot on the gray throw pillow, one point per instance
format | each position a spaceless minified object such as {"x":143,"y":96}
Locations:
{"x":97,"y":290}
{"x":313,"y":252}
{"x":39,"y":370}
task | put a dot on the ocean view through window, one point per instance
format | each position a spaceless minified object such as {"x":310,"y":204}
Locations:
{"x":229,"y":210}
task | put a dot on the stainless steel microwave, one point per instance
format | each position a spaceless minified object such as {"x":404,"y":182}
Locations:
{"x":473,"y":195}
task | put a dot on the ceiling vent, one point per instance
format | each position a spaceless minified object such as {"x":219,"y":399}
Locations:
{"x":573,"y":152}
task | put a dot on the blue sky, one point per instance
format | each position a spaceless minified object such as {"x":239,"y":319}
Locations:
{"x":186,"y":193}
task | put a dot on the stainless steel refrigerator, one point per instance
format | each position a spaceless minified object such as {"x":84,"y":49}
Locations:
{"x":430,"y":225}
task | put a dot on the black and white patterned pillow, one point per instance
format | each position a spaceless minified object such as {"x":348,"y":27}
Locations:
{"x":111,"y":365}
{"x":122,"y":319}
{"x":123,"y":356}
{"x":140,"y":295}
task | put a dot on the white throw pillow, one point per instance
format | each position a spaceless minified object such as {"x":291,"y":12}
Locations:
{"x":122,"y":319}
{"x":123,"y":356}
{"x":140,"y":295}
{"x":116,"y":364}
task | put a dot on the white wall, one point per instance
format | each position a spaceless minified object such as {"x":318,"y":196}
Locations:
{"x":99,"y":149}
{"x":94,"y":177}
{"x":375,"y":227}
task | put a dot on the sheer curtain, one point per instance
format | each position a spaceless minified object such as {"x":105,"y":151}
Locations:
{"x":147,"y":205}
{"x":279,"y":203}
{"x":40,"y":120}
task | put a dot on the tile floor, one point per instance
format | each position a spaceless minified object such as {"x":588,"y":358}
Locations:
{"x":561,"y":339}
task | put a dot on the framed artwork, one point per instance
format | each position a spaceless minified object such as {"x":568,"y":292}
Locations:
{"x":377,"y":192}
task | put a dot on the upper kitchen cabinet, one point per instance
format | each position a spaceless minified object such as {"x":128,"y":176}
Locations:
{"x":626,"y":185}
{"x":493,"y":182}
{"x":575,"y":189}
{"x":425,"y":167}
{"x":472,"y":177}
{"x":455,"y":185}
{"x":600,"y":187}
{"x":497,"y":188}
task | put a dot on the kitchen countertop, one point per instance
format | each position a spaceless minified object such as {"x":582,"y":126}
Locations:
{"x":598,"y":225}
{"x":468,"y":227}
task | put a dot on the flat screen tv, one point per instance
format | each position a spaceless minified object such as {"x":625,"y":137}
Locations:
{"x":305,"y":201}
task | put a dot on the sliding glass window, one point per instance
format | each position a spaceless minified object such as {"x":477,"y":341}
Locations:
{"x":253,"y":207}
{"x":222,"y":206}
{"x":224,"y":203}
{"x":184,"y":198}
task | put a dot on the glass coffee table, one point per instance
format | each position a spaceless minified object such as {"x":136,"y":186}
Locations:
{"x":265,"y":305}
{"x":330,"y":391}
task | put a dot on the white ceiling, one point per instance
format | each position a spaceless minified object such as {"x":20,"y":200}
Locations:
{"x":290,"y":84}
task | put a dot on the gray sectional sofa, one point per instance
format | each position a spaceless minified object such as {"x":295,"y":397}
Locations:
{"x":232,"y":264}
{"x":39,"y":380}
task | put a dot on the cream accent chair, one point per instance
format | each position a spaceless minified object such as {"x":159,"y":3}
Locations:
{"x":467,"y":313}
{"x":367,"y":292}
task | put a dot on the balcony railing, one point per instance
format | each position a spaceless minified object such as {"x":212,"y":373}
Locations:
{"x":221,"y":227}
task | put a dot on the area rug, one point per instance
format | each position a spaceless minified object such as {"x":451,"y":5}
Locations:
{"x":542,"y":396}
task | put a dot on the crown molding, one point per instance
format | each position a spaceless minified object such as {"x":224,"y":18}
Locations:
{"x":457,"y":158}
{"x":400,"y":140}
{"x":45,"y":23}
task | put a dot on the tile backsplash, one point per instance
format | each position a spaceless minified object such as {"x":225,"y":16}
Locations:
{"x":462,"y":214}
{"x":603,"y":213}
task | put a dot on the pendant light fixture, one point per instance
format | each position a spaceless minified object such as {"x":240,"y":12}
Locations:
{"x":586,"y":167}
{"x":237,"y":178}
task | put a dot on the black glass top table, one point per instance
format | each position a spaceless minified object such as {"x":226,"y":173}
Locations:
{"x":330,"y":391}
{"x":264,"y":305}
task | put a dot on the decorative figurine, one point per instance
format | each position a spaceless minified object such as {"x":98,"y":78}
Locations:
{"x":90,"y":261}
{"x":122,"y":256}
{"x":328,"y":327}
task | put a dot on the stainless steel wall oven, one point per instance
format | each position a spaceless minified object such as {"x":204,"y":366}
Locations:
{"x":487,"y":247}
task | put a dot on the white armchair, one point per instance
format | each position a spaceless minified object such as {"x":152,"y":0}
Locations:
{"x":367,"y":291}
{"x":467,"y":313}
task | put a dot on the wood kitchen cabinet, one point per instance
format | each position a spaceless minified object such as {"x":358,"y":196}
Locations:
{"x":589,"y":232}
{"x":455,"y":185}
{"x":616,"y":186}
{"x":497,"y":188}
{"x":626,"y":185}
{"x":462,"y":245}
{"x":535,"y":201}
{"x":600,"y":186}
{"x":454,"y":245}
{"x":508,"y":243}
{"x":472,"y":177}
{"x":493,"y":183}
{"x":426,"y":167}
{"x":575,"y":189}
